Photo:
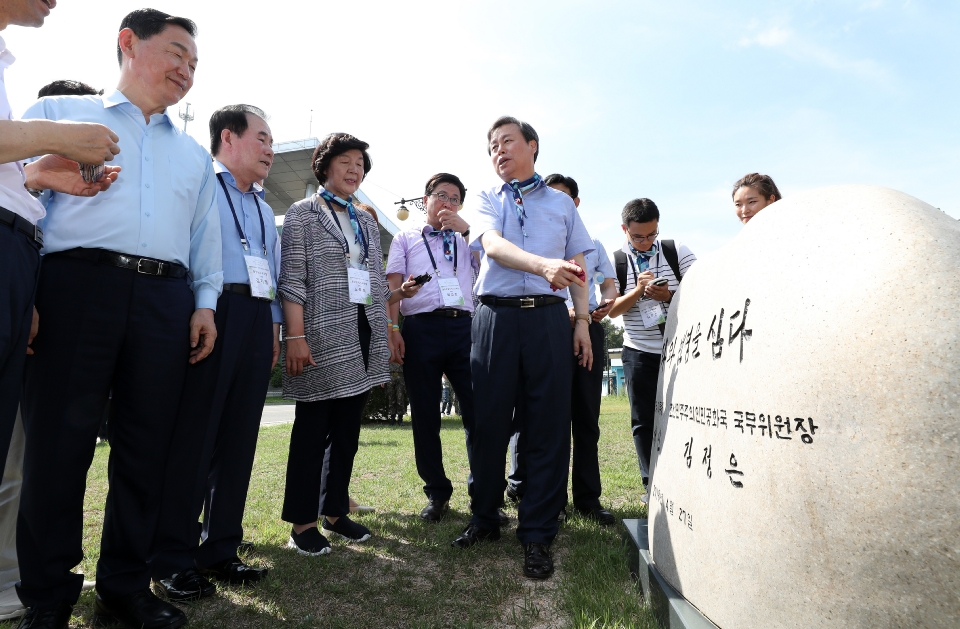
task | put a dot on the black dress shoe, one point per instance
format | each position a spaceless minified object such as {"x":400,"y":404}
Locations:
{"x":537,"y":563}
{"x":504,"y":518}
{"x":512,"y":495}
{"x":186,"y":585}
{"x":140,"y":610}
{"x":54,"y":617}
{"x":598,"y":514}
{"x":435,"y":510}
{"x":473,"y":534}
{"x":234,"y":571}
{"x":245,"y":547}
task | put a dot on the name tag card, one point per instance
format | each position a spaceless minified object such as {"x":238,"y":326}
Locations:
{"x":359,"y":286}
{"x":261,"y":280}
{"x":450,"y":291}
{"x":652,"y":313}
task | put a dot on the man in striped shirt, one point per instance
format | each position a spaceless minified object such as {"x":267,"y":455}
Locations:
{"x":644,"y":303}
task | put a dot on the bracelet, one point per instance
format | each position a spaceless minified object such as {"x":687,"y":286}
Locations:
{"x":466,"y":234}
{"x":396,"y":327}
{"x":287,"y":338}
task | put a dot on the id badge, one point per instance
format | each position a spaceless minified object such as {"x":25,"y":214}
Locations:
{"x":261,"y":280}
{"x":450,"y":291}
{"x":651,"y":311}
{"x":359,"y":280}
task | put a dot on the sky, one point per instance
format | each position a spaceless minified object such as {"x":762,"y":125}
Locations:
{"x":671,"y":101}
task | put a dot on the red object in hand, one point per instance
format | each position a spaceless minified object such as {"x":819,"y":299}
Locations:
{"x":580,"y":273}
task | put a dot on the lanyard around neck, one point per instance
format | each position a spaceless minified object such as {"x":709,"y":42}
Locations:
{"x":346,"y":243}
{"x":236,"y":221}
{"x":434,"y":262}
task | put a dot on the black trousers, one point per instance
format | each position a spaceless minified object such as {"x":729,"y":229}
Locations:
{"x":434,"y":346}
{"x":19,"y":270}
{"x":640,"y":373}
{"x":323,"y":443}
{"x":102,"y":328}
{"x":585,"y":422}
{"x":215,"y":440}
{"x":521,"y":359}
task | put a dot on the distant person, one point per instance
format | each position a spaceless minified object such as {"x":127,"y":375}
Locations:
{"x":446,"y":401}
{"x":334,"y":296}
{"x":648,"y":273}
{"x":435,"y":339}
{"x":532,"y":243}
{"x":752,"y":193}
{"x":127,"y":293}
{"x":68,"y":88}
{"x":218,"y":419}
{"x":586,"y":387}
{"x":396,"y":395}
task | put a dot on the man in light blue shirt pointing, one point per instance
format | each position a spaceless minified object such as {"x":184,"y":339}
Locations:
{"x":127,"y":291}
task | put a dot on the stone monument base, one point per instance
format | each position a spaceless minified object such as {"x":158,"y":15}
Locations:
{"x":671,"y":610}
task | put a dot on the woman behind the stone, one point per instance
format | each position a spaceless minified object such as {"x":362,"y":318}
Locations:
{"x":334,"y":300}
{"x":753,"y":193}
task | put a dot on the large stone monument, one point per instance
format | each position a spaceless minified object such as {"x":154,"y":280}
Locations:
{"x":806,"y":465}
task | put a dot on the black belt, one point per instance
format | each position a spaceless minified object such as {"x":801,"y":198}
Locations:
{"x":20,"y":224}
{"x":242,"y":289}
{"x":452,"y":313}
{"x":146,"y":266}
{"x":536,"y":301}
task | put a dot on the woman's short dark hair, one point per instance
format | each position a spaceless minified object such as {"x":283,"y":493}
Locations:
{"x":145,"y":23}
{"x":338,"y":144}
{"x":640,"y":211}
{"x":233,"y":117}
{"x":761,"y":183}
{"x":440,"y":178}
{"x":529,"y":133}
{"x":567,"y":182}
{"x":68,"y":88}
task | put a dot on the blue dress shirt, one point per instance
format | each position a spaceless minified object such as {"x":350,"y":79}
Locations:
{"x":234,"y":266}
{"x":163,"y":205}
{"x":554,"y":230}
{"x":597,"y":262}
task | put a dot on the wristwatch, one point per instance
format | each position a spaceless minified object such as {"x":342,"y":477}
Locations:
{"x":582,"y":317}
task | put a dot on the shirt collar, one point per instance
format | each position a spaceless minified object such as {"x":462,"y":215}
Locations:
{"x":218,"y":167}
{"x":428,"y":228}
{"x":116,"y":97}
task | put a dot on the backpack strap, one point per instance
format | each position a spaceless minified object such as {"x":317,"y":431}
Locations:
{"x":620,"y":264}
{"x":670,"y":254}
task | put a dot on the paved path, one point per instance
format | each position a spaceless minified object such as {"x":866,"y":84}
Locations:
{"x":277,"y":414}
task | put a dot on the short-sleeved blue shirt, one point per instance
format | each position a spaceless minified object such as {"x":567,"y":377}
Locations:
{"x":554,"y":230}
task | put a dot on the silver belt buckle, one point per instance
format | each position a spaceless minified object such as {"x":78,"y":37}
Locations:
{"x":140,"y":269}
{"x":528,"y":302}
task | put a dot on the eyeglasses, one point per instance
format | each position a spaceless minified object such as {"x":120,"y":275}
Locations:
{"x":443,"y":198}
{"x":636,"y":238}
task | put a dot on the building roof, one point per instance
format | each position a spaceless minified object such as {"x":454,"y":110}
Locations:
{"x":291,"y":175}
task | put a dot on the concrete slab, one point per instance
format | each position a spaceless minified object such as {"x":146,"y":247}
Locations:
{"x":274,"y":414}
{"x":671,"y":610}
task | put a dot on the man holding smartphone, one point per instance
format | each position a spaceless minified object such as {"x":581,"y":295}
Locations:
{"x":436,"y":328}
{"x":648,"y":273}
{"x":585,"y":389}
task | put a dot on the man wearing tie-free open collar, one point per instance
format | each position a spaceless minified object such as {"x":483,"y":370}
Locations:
{"x":521,"y":350}
{"x":127,"y":292}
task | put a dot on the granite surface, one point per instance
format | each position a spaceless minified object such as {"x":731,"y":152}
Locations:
{"x":807,"y":440}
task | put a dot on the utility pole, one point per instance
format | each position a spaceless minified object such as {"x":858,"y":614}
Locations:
{"x":310,"y":133}
{"x":186,"y":116}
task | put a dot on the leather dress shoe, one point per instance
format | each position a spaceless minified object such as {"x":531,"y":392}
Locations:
{"x":141,"y":610}
{"x":504,"y":518}
{"x":537,"y":563}
{"x":187,"y":585}
{"x":54,"y":617}
{"x":234,"y":571}
{"x":435,"y":510}
{"x":598,"y":514}
{"x":245,"y":547}
{"x":473,"y":534}
{"x":512,"y":495}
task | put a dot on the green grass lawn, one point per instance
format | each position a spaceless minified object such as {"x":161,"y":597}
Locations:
{"x":407,"y":575}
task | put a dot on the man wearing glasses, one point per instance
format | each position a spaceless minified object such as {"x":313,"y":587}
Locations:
{"x":436,"y":328}
{"x":644,"y":303}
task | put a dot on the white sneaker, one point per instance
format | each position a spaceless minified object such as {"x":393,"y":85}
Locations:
{"x":10,"y":605}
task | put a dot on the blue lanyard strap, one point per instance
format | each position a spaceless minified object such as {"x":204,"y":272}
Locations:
{"x":519,"y":188}
{"x":346,"y":246}
{"x":236,"y":221}
{"x":430,"y":253}
{"x":351,"y":212}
